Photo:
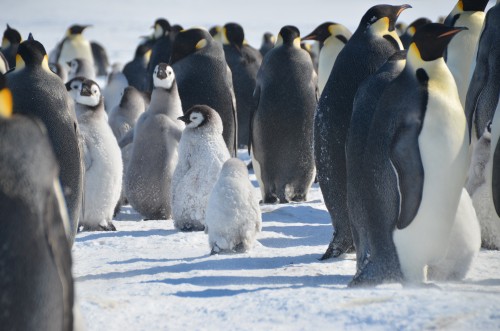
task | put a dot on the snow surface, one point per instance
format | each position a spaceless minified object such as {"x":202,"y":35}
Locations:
{"x":149,"y":276}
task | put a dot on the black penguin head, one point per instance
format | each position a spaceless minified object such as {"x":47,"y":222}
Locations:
{"x":417,"y":24}
{"x":289,"y":35}
{"x":188,"y":42}
{"x":214,"y":30}
{"x":74,"y":65}
{"x":268,"y":37}
{"x":163,"y":76}
{"x":387,"y":14}
{"x":197,"y":116}
{"x":31,"y":53}
{"x":472,"y":5}
{"x":74,"y":86}
{"x":10,"y":37}
{"x":321,"y":33}
{"x":162,"y":28}
{"x":5,"y":98}
{"x":76,"y":29}
{"x":234,"y":34}
{"x":432,"y":39}
{"x":90,"y":94}
{"x":142,"y":50}
{"x":174,"y":31}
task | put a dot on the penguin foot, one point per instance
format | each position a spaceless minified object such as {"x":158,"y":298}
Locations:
{"x":372,"y":274}
{"x":188,"y":227}
{"x":118,"y":207}
{"x":273,"y":200}
{"x":299,"y":198}
{"x":108,"y":227}
{"x":336,"y":249}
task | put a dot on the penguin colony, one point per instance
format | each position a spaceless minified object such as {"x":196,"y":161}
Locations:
{"x":400,"y":130}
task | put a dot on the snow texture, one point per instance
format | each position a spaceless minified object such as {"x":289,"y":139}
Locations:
{"x":233,"y":216}
{"x":149,"y":276}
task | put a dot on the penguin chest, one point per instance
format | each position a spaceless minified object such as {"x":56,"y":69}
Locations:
{"x":443,"y":145}
{"x":327,"y":58}
{"x":77,"y":48}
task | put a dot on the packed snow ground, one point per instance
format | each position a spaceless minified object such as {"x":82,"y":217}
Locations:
{"x":148,"y":276}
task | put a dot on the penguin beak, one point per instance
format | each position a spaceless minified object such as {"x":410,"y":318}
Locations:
{"x":86,"y":92}
{"x":311,"y":36}
{"x":185,"y":119}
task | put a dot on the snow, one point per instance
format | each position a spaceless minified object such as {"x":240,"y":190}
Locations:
{"x":149,"y":276}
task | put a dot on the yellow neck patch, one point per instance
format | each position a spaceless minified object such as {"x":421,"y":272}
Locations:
{"x":19,"y":63}
{"x":5,"y":43}
{"x":5,"y":103}
{"x":201,"y":44}
{"x":296,"y":42}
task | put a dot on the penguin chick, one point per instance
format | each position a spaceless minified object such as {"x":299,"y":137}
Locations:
{"x":154,"y":152}
{"x":202,"y":152}
{"x":80,"y":68}
{"x":59,"y":70}
{"x":123,"y":117}
{"x":103,"y":162}
{"x":480,"y":157}
{"x":117,"y":82}
{"x":233,"y":216}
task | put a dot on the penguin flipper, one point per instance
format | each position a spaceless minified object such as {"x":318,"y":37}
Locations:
{"x":87,"y":157}
{"x":126,"y":139}
{"x":406,"y":160}
{"x":256,"y":97}
{"x":495,"y":179}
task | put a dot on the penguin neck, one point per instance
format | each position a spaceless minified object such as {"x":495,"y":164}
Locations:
{"x":166,"y":102}
{"x":379,"y":29}
{"x":437,"y":71}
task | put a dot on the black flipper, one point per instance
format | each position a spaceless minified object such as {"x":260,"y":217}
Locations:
{"x":495,"y":179}
{"x":256,"y":96}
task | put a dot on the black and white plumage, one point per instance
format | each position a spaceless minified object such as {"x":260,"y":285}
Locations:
{"x":81,"y":68}
{"x":136,"y":71}
{"x":161,"y":49}
{"x":233,"y":216}
{"x":154,"y":154}
{"x":103,"y":162}
{"x":202,"y":152}
{"x":74,"y":45}
{"x":10,"y":42}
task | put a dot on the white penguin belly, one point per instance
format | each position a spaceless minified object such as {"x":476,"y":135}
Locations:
{"x":77,"y":48}
{"x":327,"y":58}
{"x":443,"y":144}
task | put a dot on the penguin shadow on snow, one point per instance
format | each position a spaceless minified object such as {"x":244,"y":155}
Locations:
{"x":117,"y":234}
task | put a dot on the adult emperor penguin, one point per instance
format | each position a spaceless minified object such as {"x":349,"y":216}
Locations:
{"x":416,"y":162}
{"x":281,"y":129}
{"x":103,"y":161}
{"x":462,"y":50}
{"x":35,"y":277}
{"x":155,"y":149}
{"x":202,"y":152}
{"x":373,"y":42}
{"x":233,"y":216}
{"x":74,"y":45}
{"x":136,"y":71}
{"x":80,"y":68}
{"x":407,"y":36}
{"x":161,"y":51}
{"x":365,"y":103}
{"x":203,"y":78}
{"x":10,"y":42}
{"x":268,"y":41}
{"x":332,"y":37}
{"x":38,"y":91}
{"x":244,"y":62}
{"x":4,"y":64}
{"x":100,"y":58}
{"x":484,"y":88}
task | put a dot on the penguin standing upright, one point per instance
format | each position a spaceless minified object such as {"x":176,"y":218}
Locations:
{"x":10,"y":42}
{"x":38,"y":91}
{"x":463,"y":48}
{"x":204,"y":78}
{"x":365,"y":103}
{"x":74,"y":45}
{"x":281,"y":128}
{"x":373,"y":42}
{"x":484,"y":88}
{"x":155,"y":149}
{"x":136,"y":71}
{"x":103,"y":161}
{"x":100,"y":58}
{"x":244,"y":62}
{"x":268,"y":40}
{"x":202,"y":152}
{"x":416,"y":162}
{"x":332,"y":38}
{"x":410,"y":30}
{"x":161,"y":51}
{"x":116,"y":84}
{"x":123,"y":117}
{"x":60,"y":70}
{"x":35,"y":277}
{"x":80,"y":68}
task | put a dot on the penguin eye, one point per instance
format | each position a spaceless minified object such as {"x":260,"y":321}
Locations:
{"x":74,"y":86}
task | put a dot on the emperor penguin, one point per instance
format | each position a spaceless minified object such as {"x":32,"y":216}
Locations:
{"x":203,"y":78}
{"x":332,"y":38}
{"x":216,"y":33}
{"x":10,"y":42}
{"x":244,"y":62}
{"x":4,"y":64}
{"x":365,"y":103}
{"x":80,"y":68}
{"x":35,"y":277}
{"x":100,"y":58}
{"x":103,"y":162}
{"x":410,"y":30}
{"x":484,"y":88}
{"x":74,"y":87}
{"x":116,"y":84}
{"x":268,"y":41}
{"x":233,"y":216}
{"x":202,"y":152}
{"x":416,"y":163}
{"x":462,"y":50}
{"x":39,"y":92}
{"x":373,"y":42}
{"x":161,"y":51}
{"x":74,"y":45}
{"x":154,"y":154}
{"x":281,"y":134}
{"x":136,"y":71}
{"x":123,"y":117}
